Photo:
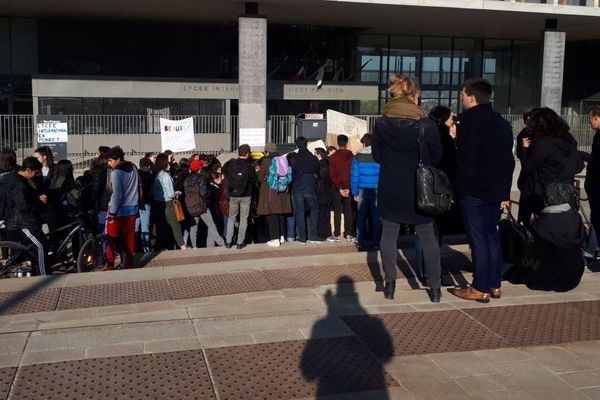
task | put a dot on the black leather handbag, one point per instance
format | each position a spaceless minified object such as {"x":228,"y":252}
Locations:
{"x":434,"y":190}
{"x":517,"y":242}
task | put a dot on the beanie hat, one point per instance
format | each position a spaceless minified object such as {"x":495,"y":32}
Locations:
{"x":196,"y":165}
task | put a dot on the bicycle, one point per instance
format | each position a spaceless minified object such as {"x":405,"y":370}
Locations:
{"x":16,"y":259}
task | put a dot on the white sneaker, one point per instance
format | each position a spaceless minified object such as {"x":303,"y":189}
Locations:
{"x":334,"y":239}
{"x":274,"y":243}
{"x":282,"y":240}
{"x":350,"y":238}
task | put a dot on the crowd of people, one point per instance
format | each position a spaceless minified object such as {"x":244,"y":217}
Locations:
{"x":164,"y":203}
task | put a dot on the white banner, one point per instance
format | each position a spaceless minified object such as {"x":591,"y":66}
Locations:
{"x":52,"y":132}
{"x":177,"y":136}
{"x":254,"y":137}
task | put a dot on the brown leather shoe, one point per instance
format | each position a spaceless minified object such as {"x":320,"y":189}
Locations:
{"x":470,"y":294}
{"x":495,"y":293}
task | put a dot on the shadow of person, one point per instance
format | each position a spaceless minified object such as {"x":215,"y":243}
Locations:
{"x":342,"y":364}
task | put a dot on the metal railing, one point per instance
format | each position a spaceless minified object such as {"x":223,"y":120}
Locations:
{"x":139,"y":133}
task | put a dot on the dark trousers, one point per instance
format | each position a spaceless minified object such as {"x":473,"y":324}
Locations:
{"x":342,"y":203}
{"x":367,"y":208}
{"x":303,"y":200}
{"x":277,"y":226}
{"x":481,"y":222}
{"x":431,"y":251}
{"x":593,"y":195}
{"x":324,"y":223}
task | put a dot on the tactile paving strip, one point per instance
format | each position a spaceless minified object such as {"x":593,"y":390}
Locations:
{"x":6,"y":378}
{"x":218,"y":285}
{"x":588,"y":307}
{"x":422,"y":333}
{"x":113,"y":294}
{"x":28,"y":301}
{"x":318,"y":275}
{"x":539,"y":324}
{"x":250,"y":255}
{"x":296,"y":369}
{"x":177,"y":375}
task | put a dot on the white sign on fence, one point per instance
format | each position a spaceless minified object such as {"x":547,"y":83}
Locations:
{"x":254,"y":137}
{"x":52,"y":132}
{"x":177,"y":136}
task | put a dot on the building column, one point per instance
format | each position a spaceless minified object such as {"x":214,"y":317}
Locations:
{"x":553,"y":61}
{"x":252,"y":78}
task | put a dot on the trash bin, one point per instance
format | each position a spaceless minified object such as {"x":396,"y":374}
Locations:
{"x":311,"y":126}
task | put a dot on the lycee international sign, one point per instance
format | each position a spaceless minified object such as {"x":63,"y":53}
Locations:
{"x":177,"y":136}
{"x":53,"y":133}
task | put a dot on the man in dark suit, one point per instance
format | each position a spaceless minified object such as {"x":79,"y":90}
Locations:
{"x":485,"y":165}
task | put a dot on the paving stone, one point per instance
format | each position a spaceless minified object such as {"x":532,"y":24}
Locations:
{"x":423,"y":379}
{"x":217,"y":285}
{"x":317,"y":275}
{"x":114,"y":350}
{"x":591,"y":393}
{"x":165,"y":346}
{"x":465,"y":364}
{"x":504,"y":355}
{"x":157,"y":376}
{"x":10,"y":360}
{"x":539,"y":324}
{"x":277,"y":335}
{"x":422,"y":333}
{"x":480,"y":384}
{"x":557,"y":359}
{"x":30,"y":301}
{"x":50,"y":356}
{"x":13,"y":342}
{"x":6,"y":378}
{"x":113,"y":294}
{"x":588,"y":351}
{"x":296,"y":369}
{"x":582,"y":379}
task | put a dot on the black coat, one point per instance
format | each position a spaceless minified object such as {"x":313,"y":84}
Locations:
{"x":592,"y":174}
{"x":485,"y":162}
{"x":396,"y":149}
{"x":323,"y":182}
{"x":24,"y":204}
{"x":550,"y":160}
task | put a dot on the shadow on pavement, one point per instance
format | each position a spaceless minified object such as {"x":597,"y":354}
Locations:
{"x":352,"y":368}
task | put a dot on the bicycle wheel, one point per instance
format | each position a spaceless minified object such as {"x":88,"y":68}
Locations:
{"x":92,"y":255}
{"x":16,"y":260}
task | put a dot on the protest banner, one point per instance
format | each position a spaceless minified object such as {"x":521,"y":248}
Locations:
{"x":342,"y":124}
{"x":177,"y":136}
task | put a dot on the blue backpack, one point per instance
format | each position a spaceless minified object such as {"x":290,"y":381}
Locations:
{"x":280,"y":174}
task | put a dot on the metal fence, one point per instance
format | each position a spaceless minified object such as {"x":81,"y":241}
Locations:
{"x":139,"y":133}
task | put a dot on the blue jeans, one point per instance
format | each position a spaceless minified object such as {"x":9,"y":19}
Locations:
{"x":481,"y":224}
{"x":142,"y":225}
{"x":308,"y":198}
{"x":367,"y":207}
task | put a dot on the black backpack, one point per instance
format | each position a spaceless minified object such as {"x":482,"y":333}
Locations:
{"x":238,"y":177}
{"x":196,"y":191}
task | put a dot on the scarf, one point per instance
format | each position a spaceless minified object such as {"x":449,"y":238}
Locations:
{"x":402,"y":107}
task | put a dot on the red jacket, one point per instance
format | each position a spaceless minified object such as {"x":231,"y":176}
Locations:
{"x":339,"y":169}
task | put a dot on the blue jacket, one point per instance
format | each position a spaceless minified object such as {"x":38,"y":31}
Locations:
{"x":364,"y":171}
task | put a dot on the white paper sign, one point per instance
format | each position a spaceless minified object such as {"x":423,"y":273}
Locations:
{"x":312,"y":146}
{"x":254,"y":137}
{"x":52,"y":132}
{"x":177,"y":136}
{"x":342,"y":124}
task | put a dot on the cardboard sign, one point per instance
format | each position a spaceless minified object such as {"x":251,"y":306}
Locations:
{"x":342,"y":124}
{"x":177,"y":136}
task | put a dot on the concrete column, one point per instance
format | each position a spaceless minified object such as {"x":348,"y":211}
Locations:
{"x":253,"y":81}
{"x":552,"y":70}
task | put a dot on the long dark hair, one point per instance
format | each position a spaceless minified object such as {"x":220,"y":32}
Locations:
{"x":440,"y":114}
{"x":47,"y":152}
{"x":8,"y":160}
{"x":161,"y":163}
{"x":545,"y":121}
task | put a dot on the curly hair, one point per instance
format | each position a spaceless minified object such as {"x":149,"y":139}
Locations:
{"x":545,"y":121}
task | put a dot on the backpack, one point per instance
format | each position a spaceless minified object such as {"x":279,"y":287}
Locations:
{"x":196,"y":191}
{"x":238,"y":177}
{"x":280,"y":174}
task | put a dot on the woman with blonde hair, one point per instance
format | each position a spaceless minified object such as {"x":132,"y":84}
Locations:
{"x":396,"y":149}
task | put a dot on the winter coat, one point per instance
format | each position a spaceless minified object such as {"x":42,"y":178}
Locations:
{"x":323,"y":182}
{"x":558,"y":235}
{"x":485,"y":161}
{"x":550,"y":160}
{"x":305,"y":167}
{"x":396,"y":149}
{"x":269,"y":200}
{"x":6,"y":181}
{"x":24,"y":204}
{"x":124,"y":200}
{"x":364,"y":172}
{"x":100,"y":187}
{"x":146,"y":180}
{"x":448,"y":161}
{"x":339,"y":169}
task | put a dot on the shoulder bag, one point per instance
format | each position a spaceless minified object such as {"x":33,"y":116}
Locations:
{"x":434,"y":191}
